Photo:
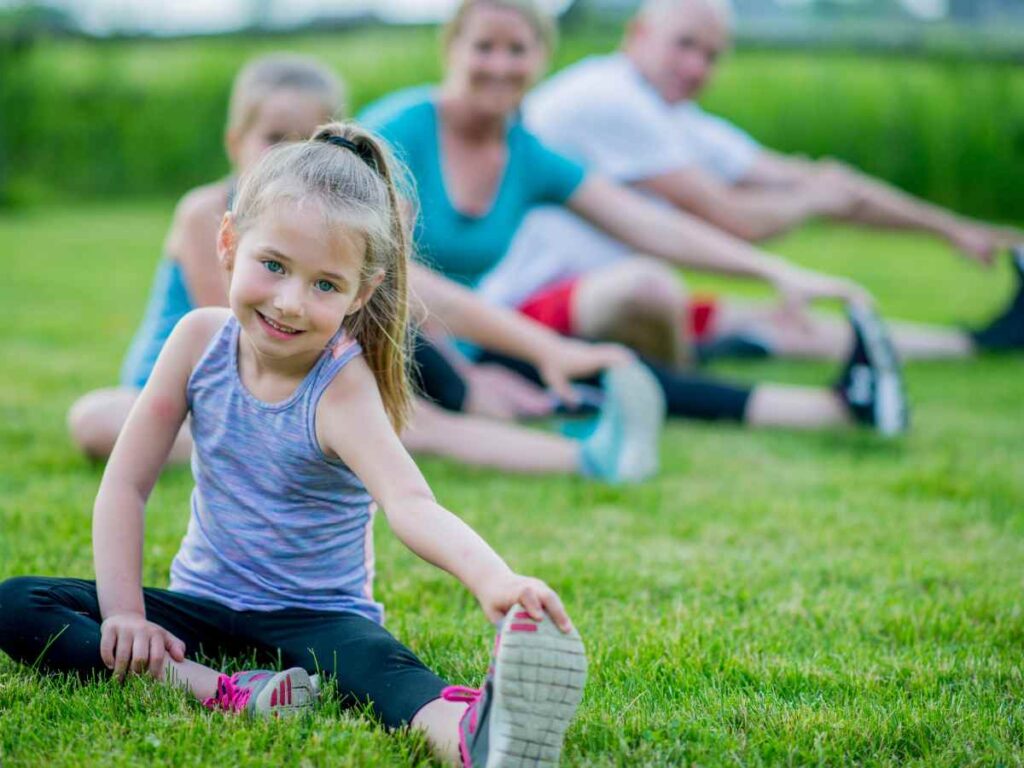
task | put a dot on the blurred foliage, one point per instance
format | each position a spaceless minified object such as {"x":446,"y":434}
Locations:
{"x":145,"y":118}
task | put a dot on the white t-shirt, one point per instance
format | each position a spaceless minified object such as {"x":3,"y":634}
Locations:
{"x":601,"y":112}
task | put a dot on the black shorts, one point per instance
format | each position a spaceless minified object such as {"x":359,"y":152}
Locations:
{"x":56,"y":622}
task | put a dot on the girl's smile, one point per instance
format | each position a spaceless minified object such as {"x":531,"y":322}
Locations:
{"x":277,"y":330}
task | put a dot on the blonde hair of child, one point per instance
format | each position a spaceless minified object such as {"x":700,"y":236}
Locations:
{"x":356,"y":189}
{"x":543,"y":24}
{"x":274,"y":72}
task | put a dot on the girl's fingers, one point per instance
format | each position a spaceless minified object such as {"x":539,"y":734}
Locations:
{"x":108,"y":639}
{"x":553,"y":605}
{"x":122,"y":653}
{"x":156,"y":656}
{"x":140,"y":652}
{"x":531,"y":602}
{"x":174,"y":646}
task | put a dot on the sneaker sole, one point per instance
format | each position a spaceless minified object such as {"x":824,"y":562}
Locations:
{"x":287,"y":694}
{"x":643,"y":411}
{"x":890,"y":398}
{"x":539,"y":675}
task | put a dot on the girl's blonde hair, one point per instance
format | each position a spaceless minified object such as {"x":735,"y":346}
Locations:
{"x":281,"y":71}
{"x":542,"y":22}
{"x":352,"y":175}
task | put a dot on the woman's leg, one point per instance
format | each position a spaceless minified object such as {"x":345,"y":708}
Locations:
{"x":639,"y":302}
{"x":96,"y":419}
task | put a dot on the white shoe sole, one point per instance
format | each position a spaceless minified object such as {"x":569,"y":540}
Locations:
{"x":539,"y":676}
{"x":287,"y":694}
{"x":643,"y":415}
{"x":890,"y":408}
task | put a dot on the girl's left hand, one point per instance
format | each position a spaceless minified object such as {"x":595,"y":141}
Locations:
{"x":533,"y":594}
{"x":571,"y":359}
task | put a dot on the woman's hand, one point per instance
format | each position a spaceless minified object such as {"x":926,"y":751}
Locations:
{"x":498,"y":596}
{"x":570,"y":359}
{"x":128,"y":642}
{"x":799,"y":287}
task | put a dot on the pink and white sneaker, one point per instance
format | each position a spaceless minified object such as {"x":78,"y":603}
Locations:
{"x":263,"y":693}
{"x":533,"y":687}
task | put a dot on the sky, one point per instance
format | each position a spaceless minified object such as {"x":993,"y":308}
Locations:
{"x":185,"y":16}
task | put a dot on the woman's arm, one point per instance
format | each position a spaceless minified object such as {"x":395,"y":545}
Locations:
{"x":132,"y":471}
{"x":684,"y":240}
{"x":464,"y":314}
{"x":351,"y":424}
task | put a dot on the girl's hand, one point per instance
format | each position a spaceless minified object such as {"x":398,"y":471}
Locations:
{"x":129,"y":642}
{"x":571,"y":359}
{"x":533,"y":594}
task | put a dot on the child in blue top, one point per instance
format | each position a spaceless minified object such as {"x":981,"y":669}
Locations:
{"x":295,"y":394}
{"x":274,"y":98}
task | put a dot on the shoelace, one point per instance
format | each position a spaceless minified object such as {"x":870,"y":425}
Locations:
{"x":229,"y":696}
{"x":471,"y":696}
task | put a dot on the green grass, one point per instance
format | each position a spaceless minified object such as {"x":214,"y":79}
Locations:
{"x":770,"y":599}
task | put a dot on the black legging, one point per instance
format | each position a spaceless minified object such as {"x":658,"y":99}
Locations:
{"x":687,"y":396}
{"x":55,"y":623}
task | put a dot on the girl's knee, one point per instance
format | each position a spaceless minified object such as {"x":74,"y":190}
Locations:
{"x":90,"y":426}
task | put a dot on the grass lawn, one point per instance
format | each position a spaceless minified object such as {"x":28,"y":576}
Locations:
{"x":773,"y":599}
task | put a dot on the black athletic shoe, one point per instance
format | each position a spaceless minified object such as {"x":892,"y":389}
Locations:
{"x":872,"y":383}
{"x":1006,"y":332}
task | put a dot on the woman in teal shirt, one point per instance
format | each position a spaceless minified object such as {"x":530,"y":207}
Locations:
{"x":478,"y":171}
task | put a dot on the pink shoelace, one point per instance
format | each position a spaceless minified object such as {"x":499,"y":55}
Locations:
{"x":229,"y":696}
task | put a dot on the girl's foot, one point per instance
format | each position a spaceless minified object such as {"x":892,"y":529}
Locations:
{"x":264,"y":693}
{"x":533,"y":687}
{"x":623,"y":447}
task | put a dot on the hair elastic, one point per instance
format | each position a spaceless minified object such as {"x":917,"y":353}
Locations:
{"x":362,"y":152}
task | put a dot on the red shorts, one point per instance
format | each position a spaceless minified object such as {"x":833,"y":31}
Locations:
{"x":553,"y":307}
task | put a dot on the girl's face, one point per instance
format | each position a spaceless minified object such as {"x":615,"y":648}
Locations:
{"x":285,"y":115}
{"x":294,"y":279}
{"x":495,"y":58}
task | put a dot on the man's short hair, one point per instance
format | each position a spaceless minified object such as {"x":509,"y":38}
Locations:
{"x":721,"y":8}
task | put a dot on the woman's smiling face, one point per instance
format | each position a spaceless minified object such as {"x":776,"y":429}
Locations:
{"x":494,"y":58}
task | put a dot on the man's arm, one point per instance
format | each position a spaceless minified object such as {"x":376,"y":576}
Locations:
{"x":751,"y":213}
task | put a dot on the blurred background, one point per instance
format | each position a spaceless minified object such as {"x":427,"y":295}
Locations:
{"x":109,"y":99}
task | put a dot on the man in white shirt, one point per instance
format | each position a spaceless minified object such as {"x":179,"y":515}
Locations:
{"x":631,"y":116}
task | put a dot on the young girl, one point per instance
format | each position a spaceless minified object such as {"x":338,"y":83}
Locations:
{"x":295,"y":395}
{"x":274,"y":98}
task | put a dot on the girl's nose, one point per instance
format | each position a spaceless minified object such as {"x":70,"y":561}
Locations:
{"x":288,"y":299}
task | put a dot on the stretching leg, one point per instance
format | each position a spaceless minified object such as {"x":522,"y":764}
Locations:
{"x":482,"y":442}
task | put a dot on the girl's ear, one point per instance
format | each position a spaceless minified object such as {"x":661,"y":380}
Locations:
{"x":227,"y":242}
{"x":366,"y":292}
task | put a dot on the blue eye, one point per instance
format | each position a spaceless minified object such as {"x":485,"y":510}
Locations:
{"x":325,"y":286}
{"x":273,"y":266}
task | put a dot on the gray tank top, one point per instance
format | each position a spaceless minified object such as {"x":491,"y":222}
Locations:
{"x":275,"y":523}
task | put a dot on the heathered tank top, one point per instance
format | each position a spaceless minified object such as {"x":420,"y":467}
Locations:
{"x":275,"y":523}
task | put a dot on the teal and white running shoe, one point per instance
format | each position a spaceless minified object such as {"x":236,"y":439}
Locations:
{"x":264,"y":693}
{"x":532,"y":690}
{"x":623,"y":447}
